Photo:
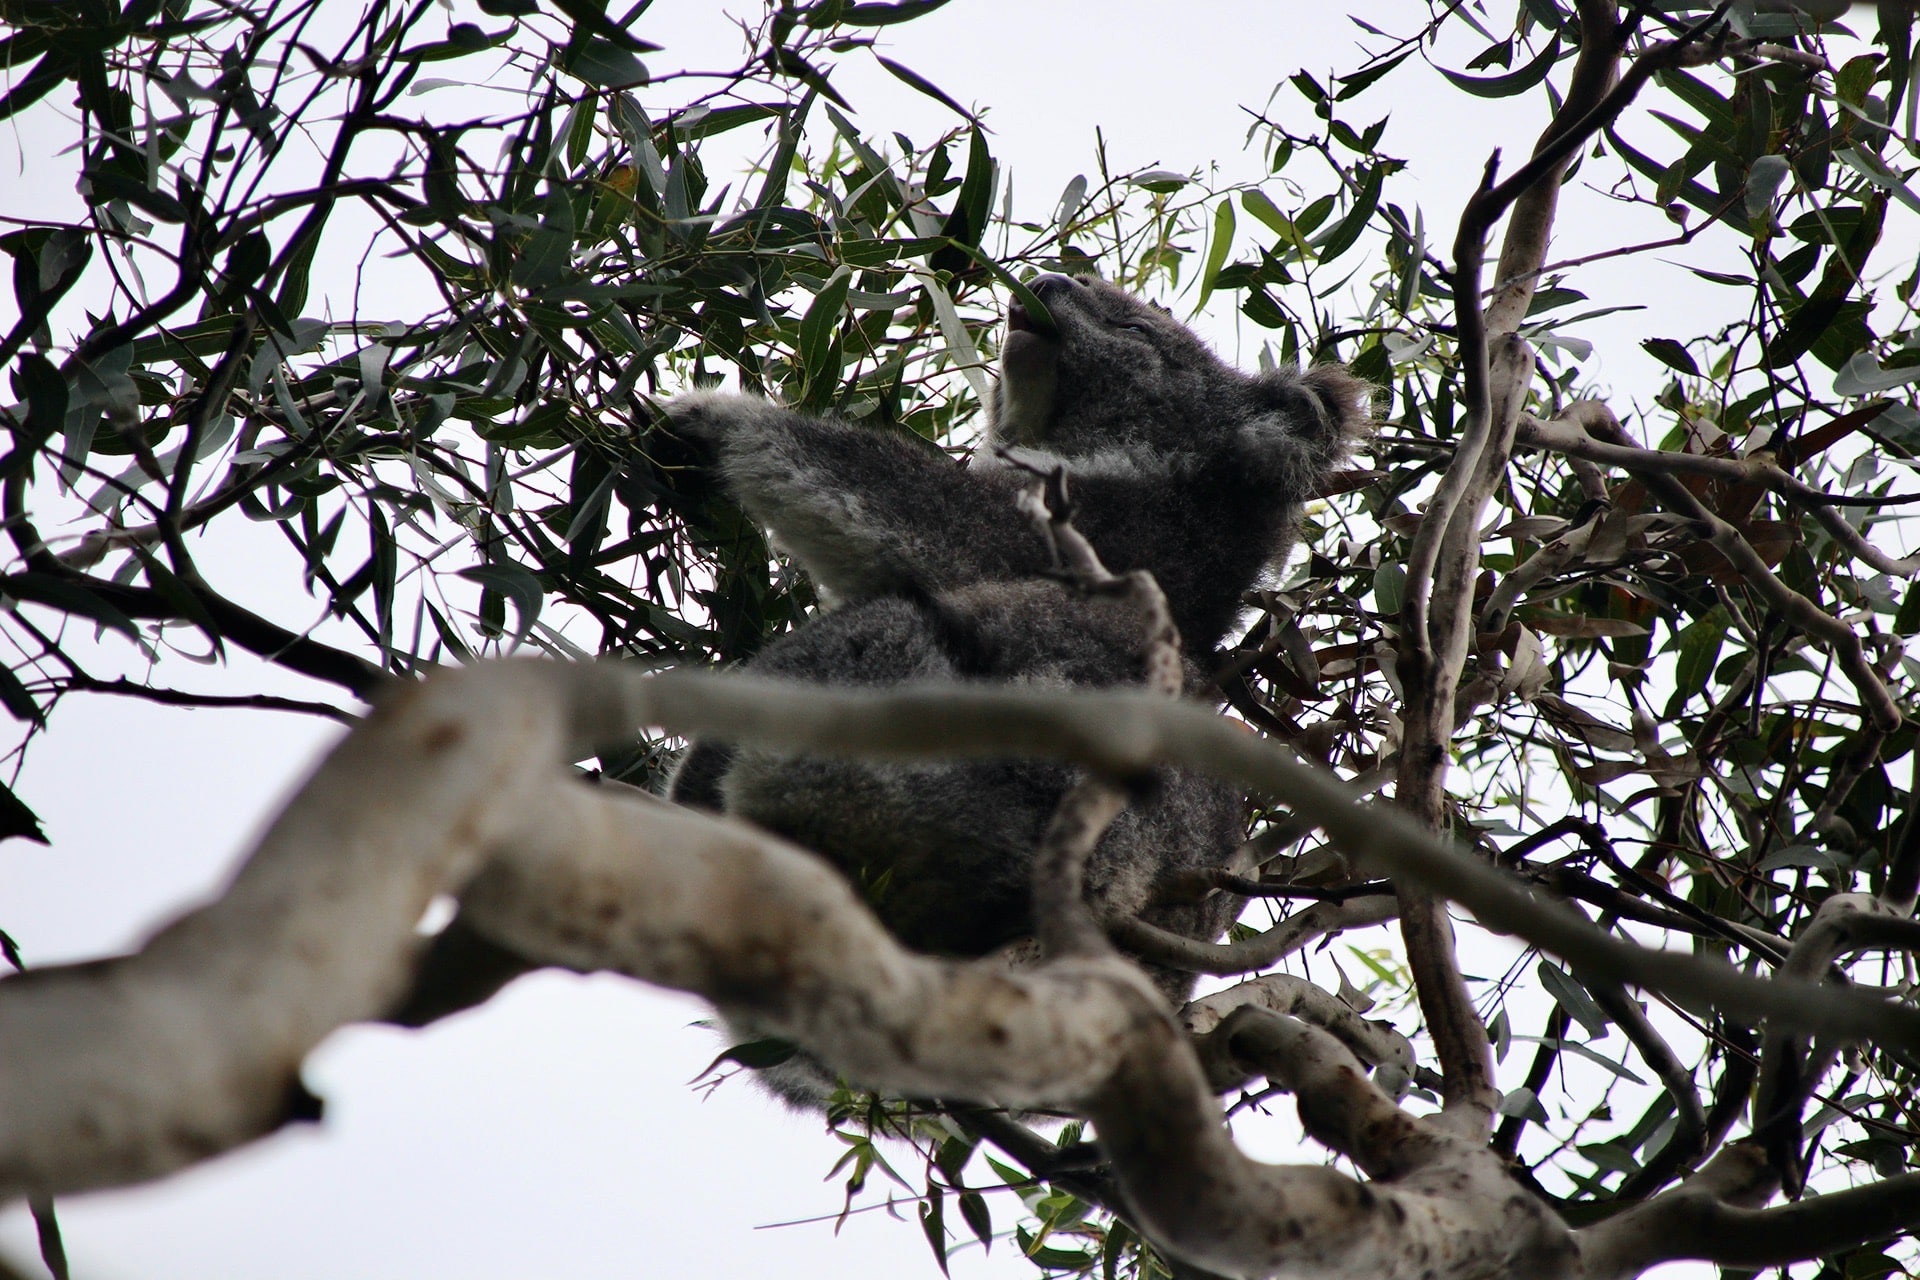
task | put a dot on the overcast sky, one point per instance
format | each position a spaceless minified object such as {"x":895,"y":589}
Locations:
{"x":553,"y":1132}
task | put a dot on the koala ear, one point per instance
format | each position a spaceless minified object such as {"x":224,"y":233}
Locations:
{"x":1326,"y":399}
{"x":1348,"y":400}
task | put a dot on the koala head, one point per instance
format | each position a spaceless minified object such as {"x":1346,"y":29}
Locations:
{"x":1116,"y":375}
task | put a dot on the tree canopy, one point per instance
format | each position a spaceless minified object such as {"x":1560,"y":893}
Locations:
{"x":403,"y":285}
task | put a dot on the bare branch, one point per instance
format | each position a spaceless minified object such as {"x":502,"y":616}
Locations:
{"x":1789,"y":1070}
{"x":1706,"y":1218}
{"x":1126,"y":733}
{"x":1794,"y":608}
{"x":1566,"y":435}
{"x":1373,"y":1042}
{"x":1176,"y":951}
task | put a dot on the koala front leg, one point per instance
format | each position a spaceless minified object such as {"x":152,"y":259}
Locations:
{"x":866,"y":511}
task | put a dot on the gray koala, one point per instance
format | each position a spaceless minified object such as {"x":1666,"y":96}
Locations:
{"x":1177,"y":464}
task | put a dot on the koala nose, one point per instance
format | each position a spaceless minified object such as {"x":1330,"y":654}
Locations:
{"x":1053,"y":283}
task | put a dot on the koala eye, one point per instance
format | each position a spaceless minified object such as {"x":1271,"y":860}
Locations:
{"x":1131,"y":326}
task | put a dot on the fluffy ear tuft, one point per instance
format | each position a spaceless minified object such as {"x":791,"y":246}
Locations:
{"x":1346,"y":401}
{"x":1327,"y":396}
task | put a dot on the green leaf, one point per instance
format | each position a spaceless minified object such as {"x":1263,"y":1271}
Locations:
{"x":1671,"y":354}
{"x":1864,"y":376}
{"x":953,"y":332}
{"x":1522,"y":1103}
{"x":1809,"y":326}
{"x":1573,"y":998}
{"x":1072,"y":197}
{"x":1217,"y":248}
{"x":914,"y":80}
{"x":1696,"y":93}
{"x":1356,"y":84}
{"x":1514,"y":82}
{"x":758,"y":1054}
{"x":1609,"y":1156}
{"x":602,"y":63}
{"x":18,"y":820}
{"x":1800,"y":855}
{"x":821,"y":323}
{"x":1390,"y":587}
{"x":1854,"y":81}
{"x":1255,"y":202}
{"x":1162,"y":182}
{"x":18,"y":702}
{"x":1764,"y":178}
{"x":1346,"y":232}
{"x":979,"y":1219}
{"x":1582,"y":1051}
{"x":462,"y":39}
{"x":514,"y":583}
{"x":1868,"y":166}
{"x":972,"y":208}
{"x":51,"y":70}
{"x":933,"y":1224}
{"x":881,"y":15}
{"x":38,"y":382}
{"x":1700,"y":645}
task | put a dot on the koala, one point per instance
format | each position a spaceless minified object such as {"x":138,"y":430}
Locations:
{"x":1177,"y":464}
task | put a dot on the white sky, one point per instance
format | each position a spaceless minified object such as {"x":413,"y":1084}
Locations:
{"x":552,"y":1132}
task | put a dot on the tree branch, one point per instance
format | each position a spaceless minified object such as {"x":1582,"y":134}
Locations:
{"x":1127,"y":733}
{"x":1565,"y":435}
{"x":1707,"y":1218}
{"x":1437,"y":616}
{"x":129,"y":1068}
{"x":1789,"y":1071}
{"x":1650,"y":466}
{"x":1176,"y":951}
{"x":124,"y":1069}
{"x":1373,"y":1042}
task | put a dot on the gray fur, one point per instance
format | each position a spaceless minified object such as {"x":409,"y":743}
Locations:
{"x":1177,"y":464}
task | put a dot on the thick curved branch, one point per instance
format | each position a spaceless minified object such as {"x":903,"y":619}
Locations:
{"x":1689,"y":1139}
{"x":1818,"y":1225}
{"x":1790,"y":1069}
{"x":1176,"y":951}
{"x":128,"y":1068}
{"x":1339,"y":1106}
{"x":1706,"y":1218}
{"x":1444,"y":559}
{"x":123,"y":1070}
{"x":1373,"y":1042}
{"x":1125,"y":733}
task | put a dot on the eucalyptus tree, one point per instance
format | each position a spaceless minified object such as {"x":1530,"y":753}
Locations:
{"x":1620,"y":675}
